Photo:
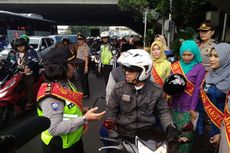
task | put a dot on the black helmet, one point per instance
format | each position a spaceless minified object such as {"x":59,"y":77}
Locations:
{"x":174,"y":84}
{"x":20,"y":42}
{"x":12,"y":44}
{"x":65,"y":39}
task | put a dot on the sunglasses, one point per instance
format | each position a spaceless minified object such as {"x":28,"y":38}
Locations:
{"x":203,"y":31}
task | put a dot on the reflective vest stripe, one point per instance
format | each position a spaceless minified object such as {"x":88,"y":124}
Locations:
{"x":70,"y":116}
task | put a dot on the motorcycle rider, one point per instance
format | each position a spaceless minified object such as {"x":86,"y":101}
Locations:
{"x":135,"y":102}
{"x":27,"y":62}
{"x":59,"y":100}
{"x":106,"y":56}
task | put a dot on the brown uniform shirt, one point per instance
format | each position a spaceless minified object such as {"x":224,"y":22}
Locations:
{"x":205,"y":52}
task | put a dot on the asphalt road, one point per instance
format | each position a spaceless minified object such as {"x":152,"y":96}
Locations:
{"x":90,"y":138}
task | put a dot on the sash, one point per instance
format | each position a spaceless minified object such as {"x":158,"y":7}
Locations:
{"x":177,"y":69}
{"x":156,"y":77}
{"x":59,"y":91}
{"x":227,"y":122}
{"x":213,"y":112}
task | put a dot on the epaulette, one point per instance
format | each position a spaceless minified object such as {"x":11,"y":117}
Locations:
{"x":48,"y":88}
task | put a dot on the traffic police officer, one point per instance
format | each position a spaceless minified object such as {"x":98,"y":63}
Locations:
{"x":106,"y":56}
{"x":59,"y":100}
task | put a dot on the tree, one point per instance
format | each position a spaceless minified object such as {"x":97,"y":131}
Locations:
{"x":185,"y":13}
{"x":85,"y":30}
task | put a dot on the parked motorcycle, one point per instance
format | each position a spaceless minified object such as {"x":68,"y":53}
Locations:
{"x":94,"y":61}
{"x":12,"y":93}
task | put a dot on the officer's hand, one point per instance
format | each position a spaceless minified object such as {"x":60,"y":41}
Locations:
{"x":215,"y":140}
{"x":86,"y":70}
{"x":85,"y":109}
{"x":91,"y":115}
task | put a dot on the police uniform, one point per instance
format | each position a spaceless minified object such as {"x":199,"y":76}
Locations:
{"x":59,"y":101}
{"x":206,"y":49}
{"x":65,"y":112}
{"x":106,"y":60}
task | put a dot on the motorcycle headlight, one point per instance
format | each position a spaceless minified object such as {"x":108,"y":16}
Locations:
{"x":8,"y":86}
{"x":2,"y":94}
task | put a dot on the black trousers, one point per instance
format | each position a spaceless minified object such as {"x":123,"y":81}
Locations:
{"x":55,"y":146}
{"x":28,"y":81}
{"x":83,"y":78}
{"x":106,"y":69}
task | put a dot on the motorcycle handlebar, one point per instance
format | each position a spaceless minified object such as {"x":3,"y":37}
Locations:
{"x":118,"y":147}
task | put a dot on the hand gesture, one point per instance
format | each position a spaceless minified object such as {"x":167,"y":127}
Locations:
{"x":86,"y":70}
{"x":92,"y":115}
{"x":27,"y":70}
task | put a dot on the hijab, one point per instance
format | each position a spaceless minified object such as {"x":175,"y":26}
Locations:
{"x":221,"y":76}
{"x":190,"y":46}
{"x":162,"y":53}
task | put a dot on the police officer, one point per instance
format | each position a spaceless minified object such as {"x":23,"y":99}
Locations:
{"x":106,"y":56}
{"x":206,"y":32}
{"x":82,"y":69}
{"x":59,"y":100}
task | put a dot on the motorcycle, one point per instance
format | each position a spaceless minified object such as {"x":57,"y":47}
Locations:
{"x":12,"y":94}
{"x":95,"y":61}
{"x":147,"y":140}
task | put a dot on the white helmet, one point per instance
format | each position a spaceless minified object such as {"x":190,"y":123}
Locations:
{"x":104,"y":34}
{"x":139,"y":59}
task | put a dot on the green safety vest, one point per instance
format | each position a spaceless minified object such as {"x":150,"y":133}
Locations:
{"x":106,"y":55}
{"x":69,"y":113}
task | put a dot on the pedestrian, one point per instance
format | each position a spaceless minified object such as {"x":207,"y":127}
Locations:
{"x":184,"y":104}
{"x":161,"y":66}
{"x":82,"y":66}
{"x":206,"y":33}
{"x":27,"y":62}
{"x":135,"y":102}
{"x":59,"y":100}
{"x":213,"y":93}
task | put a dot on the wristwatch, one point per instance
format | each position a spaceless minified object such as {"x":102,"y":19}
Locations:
{"x":85,"y":120}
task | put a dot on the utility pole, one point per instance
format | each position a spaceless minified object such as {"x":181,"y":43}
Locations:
{"x":170,"y":21}
{"x":224,"y":27}
{"x":145,"y":25}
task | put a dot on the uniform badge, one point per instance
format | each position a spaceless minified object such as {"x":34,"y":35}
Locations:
{"x":126,"y":97}
{"x":55,"y":105}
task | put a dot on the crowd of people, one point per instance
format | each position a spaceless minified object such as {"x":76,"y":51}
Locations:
{"x":135,"y":98}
